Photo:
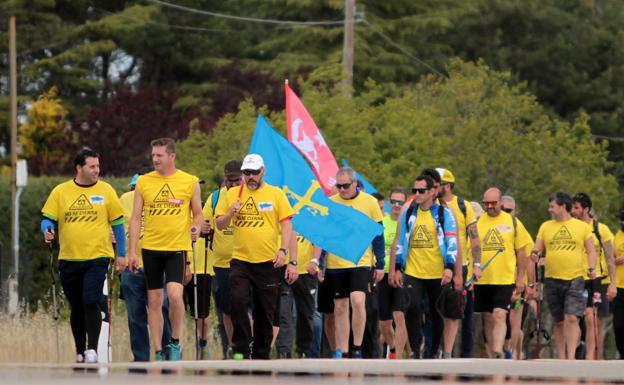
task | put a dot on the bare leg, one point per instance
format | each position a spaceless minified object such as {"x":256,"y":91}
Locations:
{"x":341,"y":320}
{"x":176,"y":309}
{"x":358,"y":316}
{"x":571,"y":333}
{"x":154,"y":316}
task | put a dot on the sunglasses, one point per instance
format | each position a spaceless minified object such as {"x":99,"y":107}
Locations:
{"x":232,"y":181}
{"x":251,"y":172}
{"x":343,"y":186}
{"x":396,"y":202}
{"x":419,"y":190}
{"x":507,"y":210}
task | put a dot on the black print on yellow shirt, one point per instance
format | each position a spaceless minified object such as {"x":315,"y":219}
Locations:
{"x":165,"y":203}
{"x":562,"y":241}
{"x":248,"y":215}
{"x":493,"y":241}
{"x":81,"y":211}
{"x":422,"y":239}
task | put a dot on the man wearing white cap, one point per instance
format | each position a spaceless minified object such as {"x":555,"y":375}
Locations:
{"x":260,"y":217}
{"x":467,"y":228}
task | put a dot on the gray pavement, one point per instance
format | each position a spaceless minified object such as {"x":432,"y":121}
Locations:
{"x":304,"y":372}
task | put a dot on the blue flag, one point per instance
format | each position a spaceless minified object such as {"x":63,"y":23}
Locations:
{"x":369,"y":188}
{"x":336,"y":228}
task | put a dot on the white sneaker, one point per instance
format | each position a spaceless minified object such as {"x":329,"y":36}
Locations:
{"x":79,"y":358}
{"x":90,"y":356}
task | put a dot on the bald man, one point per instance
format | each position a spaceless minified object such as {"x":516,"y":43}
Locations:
{"x":503,"y":242}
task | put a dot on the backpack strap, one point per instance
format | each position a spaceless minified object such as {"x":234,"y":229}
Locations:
{"x":597,"y":232}
{"x":215,"y":199}
{"x":441,"y":216}
{"x":462,"y":205}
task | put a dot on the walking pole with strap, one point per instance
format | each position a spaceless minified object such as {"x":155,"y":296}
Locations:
{"x":538,"y":331}
{"x":55,"y":312}
{"x":195,"y":300}
{"x":111,"y":284}
{"x":473,"y":278}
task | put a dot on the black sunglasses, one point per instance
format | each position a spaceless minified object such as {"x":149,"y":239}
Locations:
{"x":343,"y":186}
{"x":251,"y":172}
{"x":507,"y":209}
{"x":419,"y":190}
{"x":396,"y":202}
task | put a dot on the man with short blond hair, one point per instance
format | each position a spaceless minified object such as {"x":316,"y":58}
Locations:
{"x":170,"y":202}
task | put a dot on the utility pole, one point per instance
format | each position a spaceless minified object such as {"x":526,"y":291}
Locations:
{"x":12,"y":282}
{"x":348,"y":47}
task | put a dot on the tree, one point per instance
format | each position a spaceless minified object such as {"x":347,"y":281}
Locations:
{"x":46,"y":135}
{"x":478,"y":123}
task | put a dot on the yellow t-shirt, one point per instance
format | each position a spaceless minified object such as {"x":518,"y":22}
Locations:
{"x":84,"y":216}
{"x":127,"y":202}
{"x":462,"y":226}
{"x":305,"y":252}
{"x":565,"y":247}
{"x":167,"y":210}
{"x":499,"y":233}
{"x":602,"y":270}
{"x":424,"y":260}
{"x":223,"y":241}
{"x":618,"y":246}
{"x":368,"y":205}
{"x":256,"y":226}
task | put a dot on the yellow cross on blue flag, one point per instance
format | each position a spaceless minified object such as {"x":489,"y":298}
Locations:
{"x":336,"y":228}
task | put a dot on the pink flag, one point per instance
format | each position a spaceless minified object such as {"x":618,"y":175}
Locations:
{"x":303,"y":133}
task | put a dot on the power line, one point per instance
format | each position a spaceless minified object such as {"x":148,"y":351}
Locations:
{"x":244,"y":18}
{"x":609,"y":138}
{"x":404,"y":50}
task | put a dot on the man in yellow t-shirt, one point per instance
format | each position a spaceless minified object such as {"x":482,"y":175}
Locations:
{"x":169,"y":200}
{"x":503,"y":245}
{"x":471,"y":255}
{"x":427,"y":236}
{"x":220,"y":244}
{"x":600,"y":290}
{"x":83,"y":210}
{"x":134,"y":291}
{"x":567,"y":243}
{"x":351,"y":282}
{"x":259,"y":214}
{"x":618,"y":303}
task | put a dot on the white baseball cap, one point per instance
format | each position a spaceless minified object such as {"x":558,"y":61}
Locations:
{"x":252,"y":162}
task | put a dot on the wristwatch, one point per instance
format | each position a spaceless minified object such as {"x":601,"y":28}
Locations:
{"x":294,"y":263}
{"x":285,"y":251}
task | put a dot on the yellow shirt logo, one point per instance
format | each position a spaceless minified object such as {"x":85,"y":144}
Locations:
{"x":421,"y":238}
{"x":493,"y":241}
{"x":249,"y":216}
{"x":563,"y":240}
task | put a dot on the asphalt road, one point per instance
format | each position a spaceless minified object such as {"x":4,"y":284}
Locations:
{"x":304,"y":372}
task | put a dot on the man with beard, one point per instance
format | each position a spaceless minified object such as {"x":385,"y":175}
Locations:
{"x":259,"y":214}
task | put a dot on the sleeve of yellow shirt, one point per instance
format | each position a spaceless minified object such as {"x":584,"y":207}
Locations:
{"x":208,"y":209}
{"x":470,"y":214}
{"x":50,"y":208}
{"x":115,"y":210}
{"x":522,"y":237}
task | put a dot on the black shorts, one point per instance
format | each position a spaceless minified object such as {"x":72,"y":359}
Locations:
{"x":204,"y":283}
{"x":221,"y":289}
{"x":157,"y":262}
{"x":343,"y":282}
{"x":588,"y":294}
{"x":391,"y":299}
{"x":325,"y":299}
{"x":489,"y":297}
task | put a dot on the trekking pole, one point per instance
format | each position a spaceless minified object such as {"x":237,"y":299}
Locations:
{"x":473,"y":278}
{"x":195,"y":300}
{"x":205,"y":296}
{"x":596,"y":302}
{"x":111,"y":284}
{"x":55,"y":312}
